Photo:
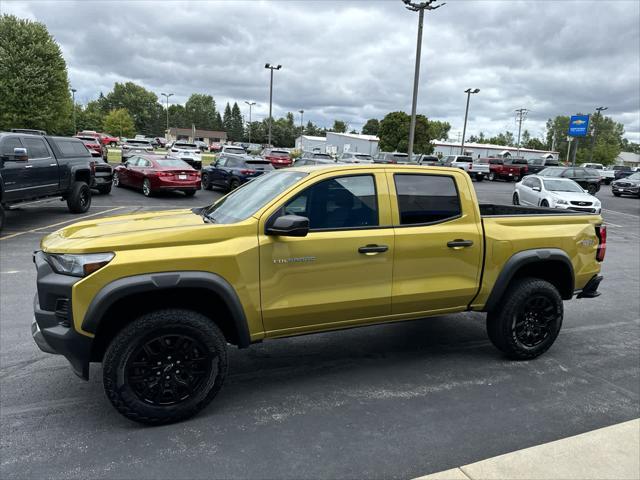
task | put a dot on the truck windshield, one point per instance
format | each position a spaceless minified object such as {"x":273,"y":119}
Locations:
{"x":244,"y":202}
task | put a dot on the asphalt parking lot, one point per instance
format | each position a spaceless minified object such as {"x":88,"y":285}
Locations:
{"x":390,"y":401}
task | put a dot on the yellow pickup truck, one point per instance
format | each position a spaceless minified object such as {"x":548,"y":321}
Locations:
{"x":157,"y":297}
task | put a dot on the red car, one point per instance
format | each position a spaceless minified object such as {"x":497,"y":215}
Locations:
{"x":505,"y":169}
{"x":155,"y":173}
{"x":94,"y":146}
{"x":278,"y":158}
{"x":104,"y":138}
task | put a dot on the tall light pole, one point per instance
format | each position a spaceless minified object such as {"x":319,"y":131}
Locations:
{"x":468,"y":91}
{"x":272,"y":68}
{"x":521,"y":113}
{"x":420,"y":8}
{"x":301,"y":126}
{"x":595,"y":125}
{"x":167,"y":95}
{"x":251,"y":104}
{"x":73,"y":100}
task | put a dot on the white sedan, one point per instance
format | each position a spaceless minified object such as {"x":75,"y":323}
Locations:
{"x":555,"y":193}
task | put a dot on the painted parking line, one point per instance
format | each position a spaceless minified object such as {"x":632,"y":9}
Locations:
{"x":620,"y":213}
{"x":75,"y":219}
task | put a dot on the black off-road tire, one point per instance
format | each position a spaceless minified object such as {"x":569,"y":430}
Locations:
{"x":501,"y":322}
{"x":105,"y":189}
{"x":157,"y":324}
{"x":79,"y":199}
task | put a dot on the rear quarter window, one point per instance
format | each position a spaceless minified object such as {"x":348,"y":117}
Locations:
{"x":426,"y":199}
{"x":71,"y":147}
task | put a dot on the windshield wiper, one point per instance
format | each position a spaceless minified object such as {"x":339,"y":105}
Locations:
{"x":202,"y":211}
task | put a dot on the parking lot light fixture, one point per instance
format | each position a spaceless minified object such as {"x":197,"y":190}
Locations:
{"x":167,"y":95}
{"x":468,"y":91}
{"x":420,"y":8}
{"x":73,"y":101}
{"x":301,"y":125}
{"x":251,"y":104}
{"x":272,"y":68}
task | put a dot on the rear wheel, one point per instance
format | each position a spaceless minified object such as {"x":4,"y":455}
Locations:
{"x":105,"y":189}
{"x":116,"y":180}
{"x":165,"y":366}
{"x":528,"y":319}
{"x":592,"y":189}
{"x":516,"y":178}
{"x":79,"y":199}
{"x":492,"y":177}
{"x":189,"y":193}
{"x":479,"y":178}
{"x":146,"y":188}
{"x":544,"y":203}
{"x":234,"y":183}
{"x":616,"y":194}
{"x":516,"y":198}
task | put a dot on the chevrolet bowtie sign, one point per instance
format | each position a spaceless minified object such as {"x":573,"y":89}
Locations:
{"x":579,"y":125}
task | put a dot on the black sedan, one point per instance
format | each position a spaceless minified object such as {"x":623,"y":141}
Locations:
{"x":231,"y":171}
{"x":585,"y":177}
{"x":627,"y":186}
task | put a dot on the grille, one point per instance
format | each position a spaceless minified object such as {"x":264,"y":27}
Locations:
{"x":581,"y":204}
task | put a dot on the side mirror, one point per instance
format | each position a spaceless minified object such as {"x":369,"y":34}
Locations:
{"x":289,"y":226}
{"x":20,"y":154}
{"x":537,"y":189}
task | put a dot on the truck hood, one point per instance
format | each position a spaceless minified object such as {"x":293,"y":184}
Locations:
{"x":130,"y":231}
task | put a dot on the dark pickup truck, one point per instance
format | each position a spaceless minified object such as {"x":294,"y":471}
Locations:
{"x":39,"y":166}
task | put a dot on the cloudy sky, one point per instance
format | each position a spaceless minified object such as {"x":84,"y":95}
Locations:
{"x":353,"y":60}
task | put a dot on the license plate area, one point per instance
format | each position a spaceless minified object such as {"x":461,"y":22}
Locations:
{"x":182,"y":177}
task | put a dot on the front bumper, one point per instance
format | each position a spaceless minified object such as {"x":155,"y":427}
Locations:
{"x":625,"y":190}
{"x":52,"y":327}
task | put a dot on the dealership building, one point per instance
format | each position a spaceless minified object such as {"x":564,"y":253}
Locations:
{"x":337,"y":143}
{"x":483,"y":150}
{"x":192,"y":134}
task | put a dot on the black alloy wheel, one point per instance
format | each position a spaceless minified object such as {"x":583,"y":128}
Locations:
{"x":167,"y":369}
{"x":535,"y":321}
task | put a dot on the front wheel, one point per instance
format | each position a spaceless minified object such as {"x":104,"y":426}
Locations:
{"x":479,"y":178}
{"x":516,"y":178}
{"x":165,"y":366}
{"x":616,"y":194}
{"x":189,"y":193}
{"x":492,"y":177}
{"x":592,"y":189}
{"x":116,"y":180}
{"x":528,"y":319}
{"x":516,"y":198}
{"x":79,"y":199}
{"x":206,"y":182}
{"x":105,"y":189}
{"x":234,"y":183}
{"x":544,"y":203}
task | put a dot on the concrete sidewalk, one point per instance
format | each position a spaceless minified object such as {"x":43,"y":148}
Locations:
{"x":608,"y":453}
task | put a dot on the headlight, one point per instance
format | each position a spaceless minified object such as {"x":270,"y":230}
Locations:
{"x":596,"y":203}
{"x":562,"y":202}
{"x":79,"y":265}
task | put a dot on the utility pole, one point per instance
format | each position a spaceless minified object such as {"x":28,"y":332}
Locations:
{"x":521,"y":114}
{"x":251,"y":104}
{"x":468,"y":91}
{"x":167,"y":95}
{"x":73,"y":100}
{"x":593,"y":134}
{"x":272,"y":68}
{"x":420,"y":8}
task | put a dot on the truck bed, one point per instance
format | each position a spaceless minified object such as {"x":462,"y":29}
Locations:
{"x":494,"y":210}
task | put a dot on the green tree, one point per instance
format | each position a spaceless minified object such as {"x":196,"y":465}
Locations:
{"x":90,"y":117}
{"x":371,"y":127}
{"x":226,"y":119}
{"x":200,"y":110}
{"x":178,"y":116}
{"x":119,"y":122}
{"x":535,"y":144}
{"x":148,"y":115}
{"x":339,"y":126}
{"x":313,"y":130}
{"x":236,"y":132}
{"x":439,"y":130}
{"x":394,"y":133}
{"x":34,"y":88}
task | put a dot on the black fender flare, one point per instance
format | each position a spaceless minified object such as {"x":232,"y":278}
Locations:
{"x":153,"y":282}
{"x":521,"y":259}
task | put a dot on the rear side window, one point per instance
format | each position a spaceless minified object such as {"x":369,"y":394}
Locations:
{"x":72,"y":148}
{"x":36,"y":148}
{"x":426,"y":198}
{"x":338,"y":203}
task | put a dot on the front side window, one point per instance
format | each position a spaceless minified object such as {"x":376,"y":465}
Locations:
{"x":6,"y":151}
{"x":426,"y":198}
{"x":36,"y":148}
{"x":338,"y":203}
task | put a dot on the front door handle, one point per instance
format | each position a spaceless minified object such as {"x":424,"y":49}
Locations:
{"x":373,"y":249}
{"x":457,"y":243}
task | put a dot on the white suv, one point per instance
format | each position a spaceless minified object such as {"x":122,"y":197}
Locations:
{"x":477,"y":171}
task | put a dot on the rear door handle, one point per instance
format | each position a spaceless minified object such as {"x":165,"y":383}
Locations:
{"x":459,"y":243}
{"x":373,"y":249}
